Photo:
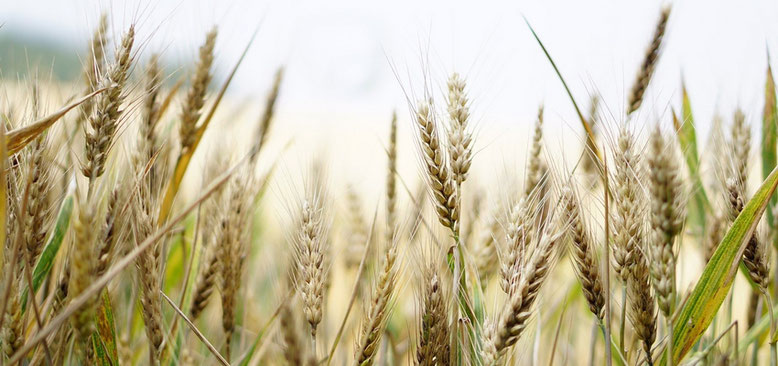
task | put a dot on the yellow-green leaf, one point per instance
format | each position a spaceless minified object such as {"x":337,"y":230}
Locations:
{"x":717,"y":277}
{"x":17,"y":139}
{"x":104,"y":336}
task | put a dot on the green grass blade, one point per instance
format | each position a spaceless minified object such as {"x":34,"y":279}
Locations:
{"x":769,"y":131}
{"x":586,"y":125}
{"x":49,"y":253}
{"x":718,"y":275}
{"x":687,"y":138}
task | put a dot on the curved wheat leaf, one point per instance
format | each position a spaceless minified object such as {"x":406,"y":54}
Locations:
{"x":717,"y":277}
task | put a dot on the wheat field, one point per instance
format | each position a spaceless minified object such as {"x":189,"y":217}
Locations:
{"x":150,"y":218}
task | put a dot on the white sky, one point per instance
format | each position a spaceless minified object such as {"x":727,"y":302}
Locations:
{"x":339,"y":54}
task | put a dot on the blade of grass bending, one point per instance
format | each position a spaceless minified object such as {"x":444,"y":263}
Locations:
{"x":51,"y":249}
{"x":17,"y":139}
{"x":718,"y":275}
{"x":117,"y":268}
{"x":183,"y":160}
{"x":586,"y":125}
{"x":687,"y":138}
{"x":769,"y":131}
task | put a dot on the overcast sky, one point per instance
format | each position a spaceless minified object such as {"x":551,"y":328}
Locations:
{"x":341,"y":55}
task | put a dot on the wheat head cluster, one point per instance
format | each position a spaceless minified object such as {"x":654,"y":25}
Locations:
{"x":106,"y":260}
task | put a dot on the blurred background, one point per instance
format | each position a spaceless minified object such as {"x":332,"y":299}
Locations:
{"x":350,"y":63}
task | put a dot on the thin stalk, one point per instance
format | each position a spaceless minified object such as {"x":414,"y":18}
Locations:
{"x":593,"y":343}
{"x":37,"y":312}
{"x":669,"y":320}
{"x":313,"y":344}
{"x":623,"y":316}
{"x":755,"y":354}
{"x":606,"y":263}
{"x":773,"y":348}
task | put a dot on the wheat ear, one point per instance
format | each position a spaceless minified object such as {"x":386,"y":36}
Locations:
{"x":104,"y":120}
{"x":642,"y":311}
{"x":310,"y":243}
{"x":584,"y":255}
{"x":39,"y":174}
{"x":263,"y":129}
{"x":195,"y":98}
{"x":518,"y":238}
{"x":667,"y":216}
{"x":232,"y":251}
{"x":391,"y":182}
{"x":649,"y":63}
{"x":95,"y":63}
{"x":460,"y":139}
{"x":82,"y":270}
{"x":536,"y":167}
{"x":513,"y":319}
{"x":434,"y":339}
{"x":440,"y":180}
{"x":628,"y":199}
{"x":149,"y":264}
{"x":378,"y":310}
